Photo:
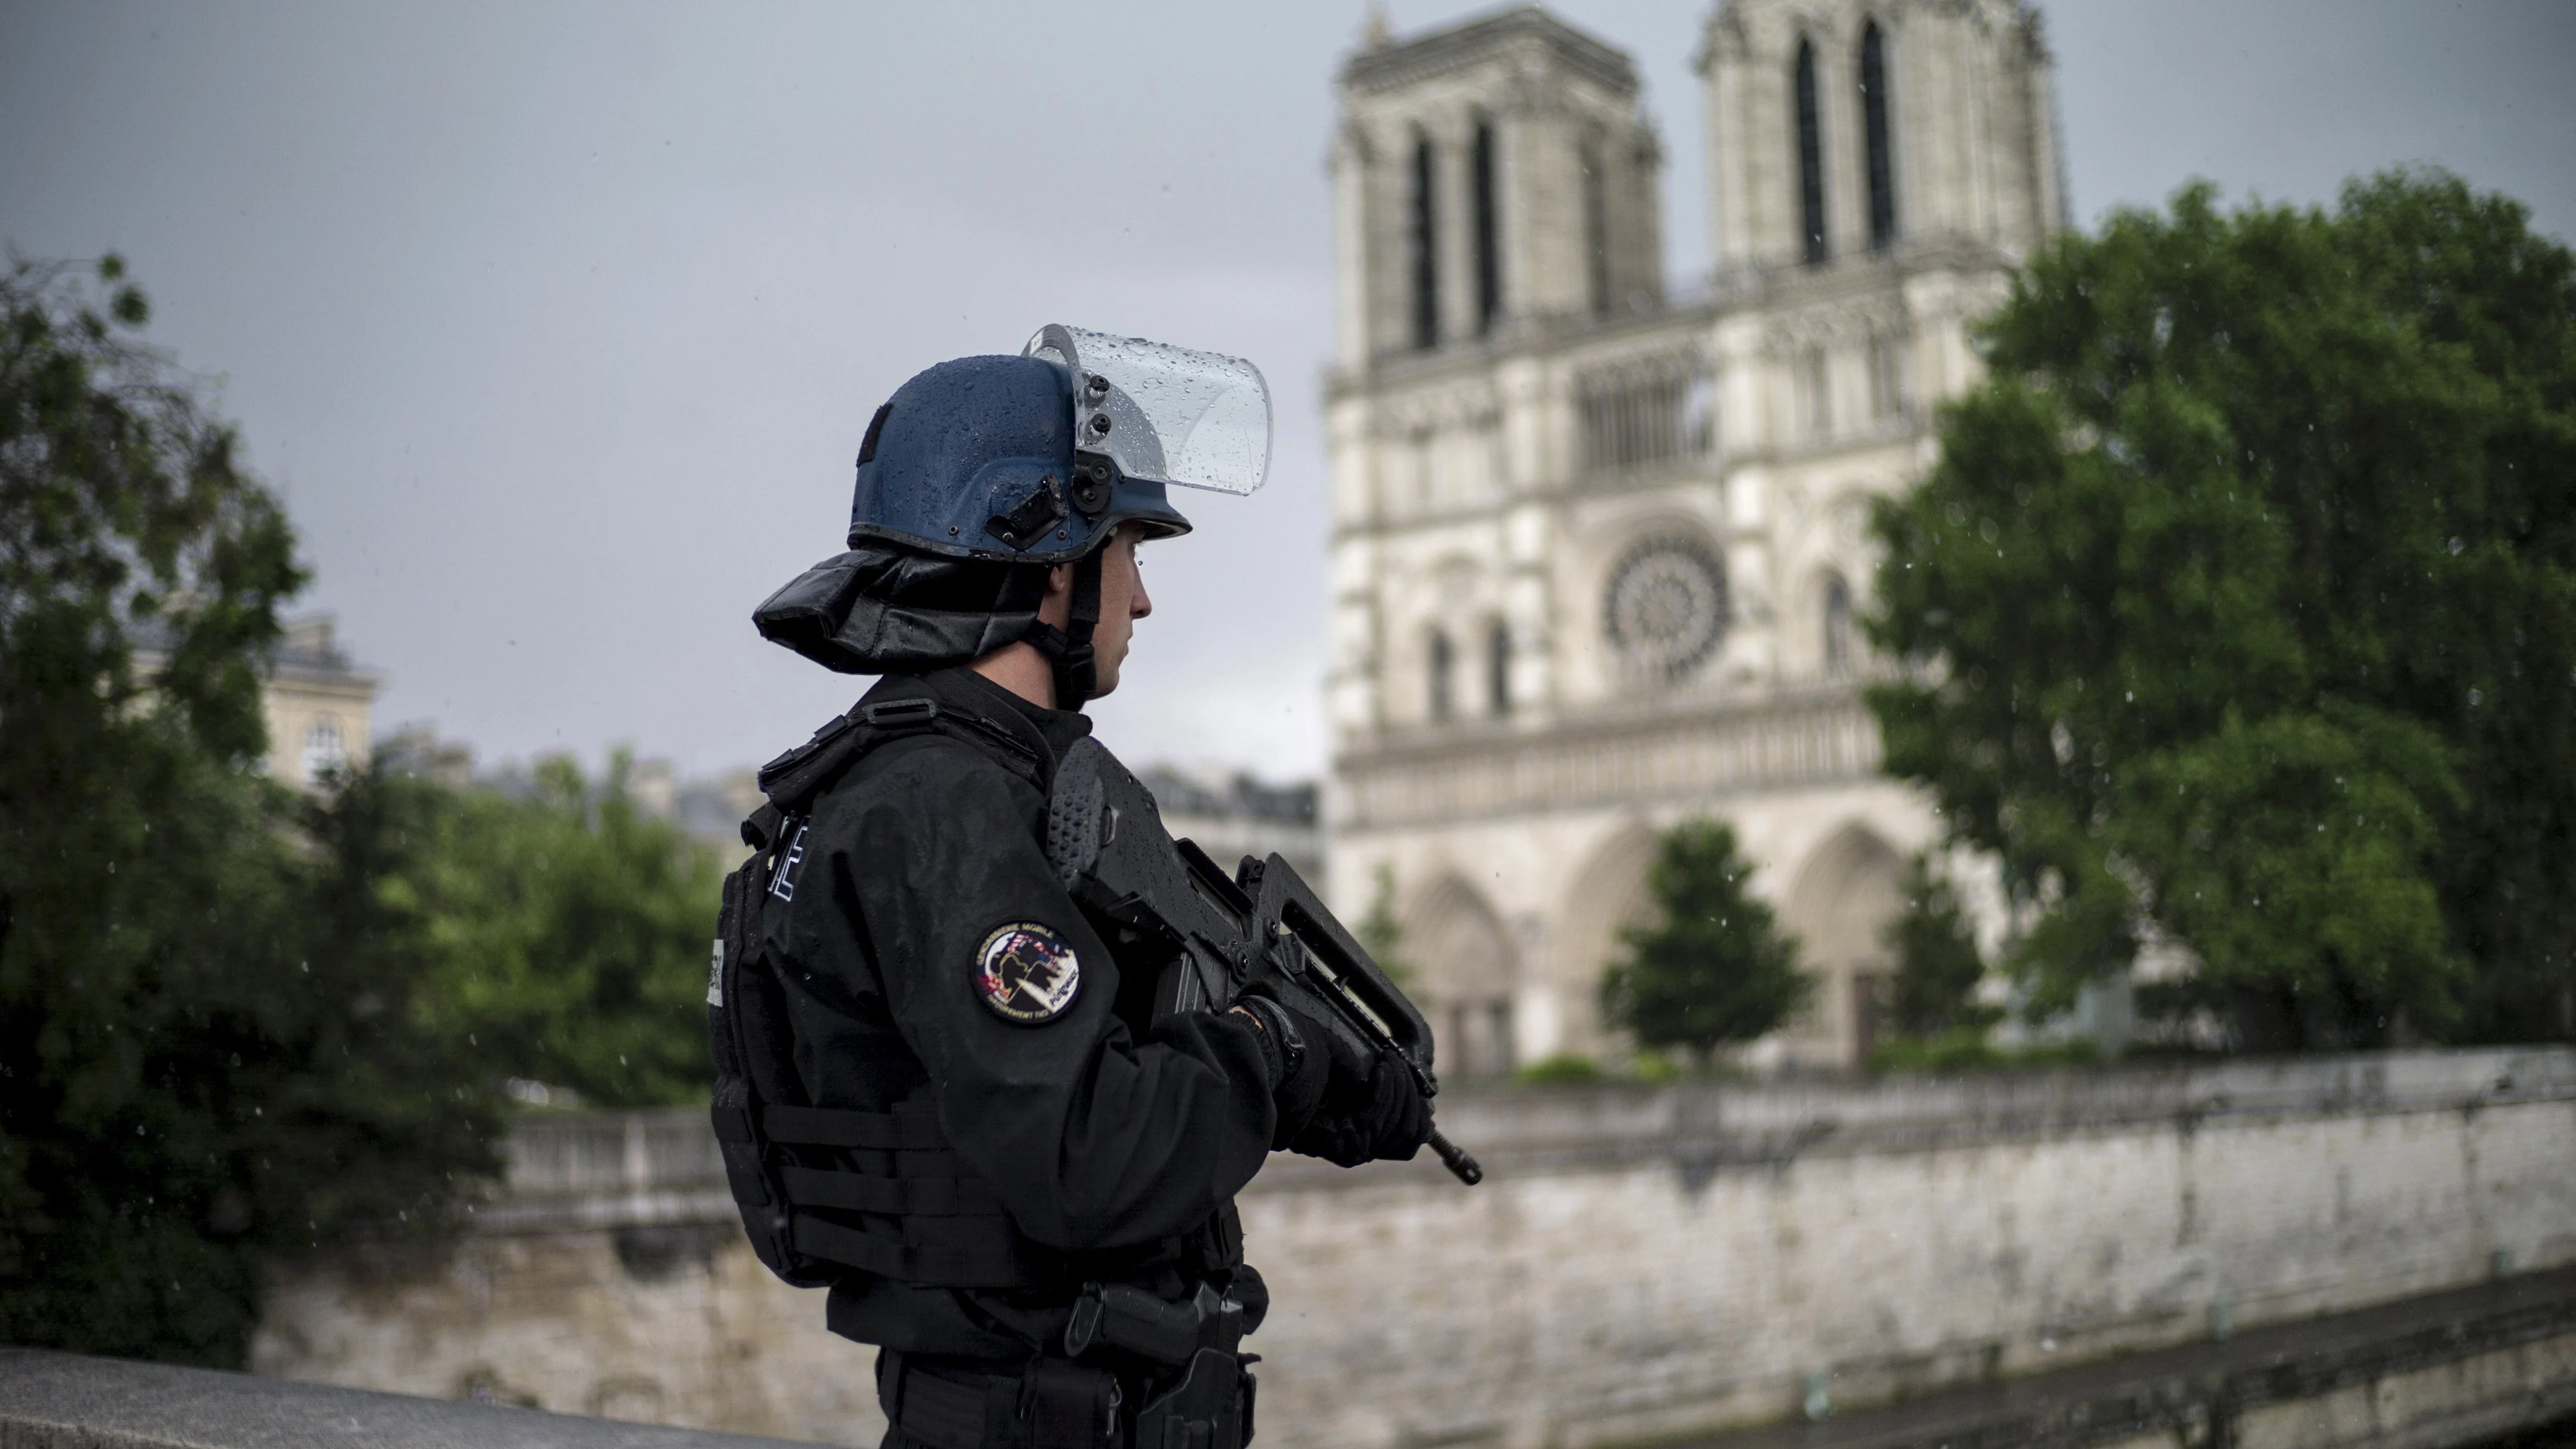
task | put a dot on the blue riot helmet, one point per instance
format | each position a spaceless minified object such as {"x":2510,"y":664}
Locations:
{"x":980,"y":474}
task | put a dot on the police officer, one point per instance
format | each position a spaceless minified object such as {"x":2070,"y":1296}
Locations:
{"x":946,"y":1080}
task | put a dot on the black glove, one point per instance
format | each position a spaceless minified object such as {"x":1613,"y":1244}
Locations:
{"x":1304,"y":1060}
{"x":1379,"y":1116}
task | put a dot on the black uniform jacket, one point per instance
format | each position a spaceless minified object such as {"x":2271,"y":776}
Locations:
{"x":1095,"y":1132}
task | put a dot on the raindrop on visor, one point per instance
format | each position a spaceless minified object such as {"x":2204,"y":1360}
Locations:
{"x":1171,"y":414}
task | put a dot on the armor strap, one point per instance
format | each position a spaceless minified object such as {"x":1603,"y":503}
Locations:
{"x":1068,"y":650}
{"x":800,"y":774}
{"x":839,"y":1127}
{"x":911,"y":1262}
{"x":858,"y":1192}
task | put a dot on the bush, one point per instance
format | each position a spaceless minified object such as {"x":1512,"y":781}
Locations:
{"x":1965,"y":1049}
{"x":1563,"y":1069}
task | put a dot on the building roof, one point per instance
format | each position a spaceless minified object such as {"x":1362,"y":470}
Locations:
{"x":308,"y":653}
{"x":1386,"y":66}
{"x":1231,"y":797}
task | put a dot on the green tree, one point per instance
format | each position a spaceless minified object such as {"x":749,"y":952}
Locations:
{"x":2243,"y":599}
{"x":1714,"y":968}
{"x":571,"y":932}
{"x":1938,"y":965}
{"x":1381,"y":934}
{"x":206,"y":1060}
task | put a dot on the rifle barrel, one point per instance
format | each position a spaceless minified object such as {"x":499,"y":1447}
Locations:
{"x":1455,"y":1158}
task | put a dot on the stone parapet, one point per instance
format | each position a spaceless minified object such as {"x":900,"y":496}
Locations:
{"x":633,"y":1169}
{"x":1641,"y":1262}
{"x":2471,"y":1366}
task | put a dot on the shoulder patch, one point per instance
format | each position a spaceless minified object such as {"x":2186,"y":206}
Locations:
{"x":1027,"y":973}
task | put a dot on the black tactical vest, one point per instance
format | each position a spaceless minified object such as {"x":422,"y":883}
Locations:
{"x":825,"y":1190}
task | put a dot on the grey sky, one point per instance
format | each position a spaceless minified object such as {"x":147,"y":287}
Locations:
{"x":558,"y":325}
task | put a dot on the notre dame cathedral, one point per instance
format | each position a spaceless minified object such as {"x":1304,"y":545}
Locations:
{"x":1597,"y":549}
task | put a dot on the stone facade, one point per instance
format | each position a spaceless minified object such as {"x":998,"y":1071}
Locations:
{"x":1641,"y":1261}
{"x":1597,"y":550}
{"x":319,"y":707}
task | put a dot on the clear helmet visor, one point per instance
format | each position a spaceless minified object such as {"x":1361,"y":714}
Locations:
{"x":1199,"y":419}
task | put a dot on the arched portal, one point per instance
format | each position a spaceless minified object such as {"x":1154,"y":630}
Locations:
{"x":1466,"y":969}
{"x":1848,"y":891}
{"x":1606,"y":895}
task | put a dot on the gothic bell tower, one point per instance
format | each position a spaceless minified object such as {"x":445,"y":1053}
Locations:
{"x":1856,"y":130}
{"x":1495,"y":177}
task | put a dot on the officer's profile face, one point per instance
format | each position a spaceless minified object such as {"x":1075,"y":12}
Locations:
{"x":1122,"y":602}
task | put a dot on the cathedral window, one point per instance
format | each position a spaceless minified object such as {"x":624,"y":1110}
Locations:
{"x":1426,"y":243}
{"x":1837,"y":619}
{"x":1886,"y":376}
{"x":1498,"y":669}
{"x":1596,"y":229}
{"x":1489,"y":250}
{"x":1666,"y":608}
{"x":1815,"y":393}
{"x":1811,"y":158}
{"x":1658,"y":416}
{"x":1441,"y":664}
{"x":1873,"y":112}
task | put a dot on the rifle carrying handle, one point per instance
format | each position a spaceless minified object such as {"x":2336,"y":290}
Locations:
{"x":1455,"y":1158}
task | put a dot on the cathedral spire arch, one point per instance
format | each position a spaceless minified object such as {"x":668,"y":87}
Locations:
{"x":1484,"y":190}
{"x":1423,"y":223}
{"x":1878,"y":144}
{"x":1807,"y":130}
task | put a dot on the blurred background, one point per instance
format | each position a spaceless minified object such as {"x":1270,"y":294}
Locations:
{"x":1703,"y":492}
{"x":557,"y":327}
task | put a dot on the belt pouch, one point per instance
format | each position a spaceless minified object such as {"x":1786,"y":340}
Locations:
{"x":1072,"y":1406}
{"x":942,"y":1413}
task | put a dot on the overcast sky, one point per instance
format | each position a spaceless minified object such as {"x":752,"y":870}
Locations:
{"x":557,"y":325}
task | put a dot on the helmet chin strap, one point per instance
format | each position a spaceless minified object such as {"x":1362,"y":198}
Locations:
{"x":1068,"y":650}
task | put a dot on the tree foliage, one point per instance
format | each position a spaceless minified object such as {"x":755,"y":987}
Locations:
{"x":2244,"y":599}
{"x":1714,"y":967}
{"x":1381,"y":934}
{"x":206,"y":1058}
{"x":570,"y":930}
{"x":1938,"y":965}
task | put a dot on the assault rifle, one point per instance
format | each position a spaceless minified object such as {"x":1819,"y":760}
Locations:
{"x":1261,"y":926}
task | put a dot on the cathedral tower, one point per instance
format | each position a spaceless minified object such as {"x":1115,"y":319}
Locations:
{"x":1839,"y":130}
{"x":1489,"y":179}
{"x":1598,"y":550}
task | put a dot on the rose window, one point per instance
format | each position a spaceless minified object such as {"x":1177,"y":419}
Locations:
{"x":1666,"y":607}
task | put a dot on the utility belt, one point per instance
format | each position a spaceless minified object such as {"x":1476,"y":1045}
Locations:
{"x":1137,"y":1373}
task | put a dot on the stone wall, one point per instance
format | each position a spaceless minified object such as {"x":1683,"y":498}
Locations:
{"x":1640,"y":1261}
